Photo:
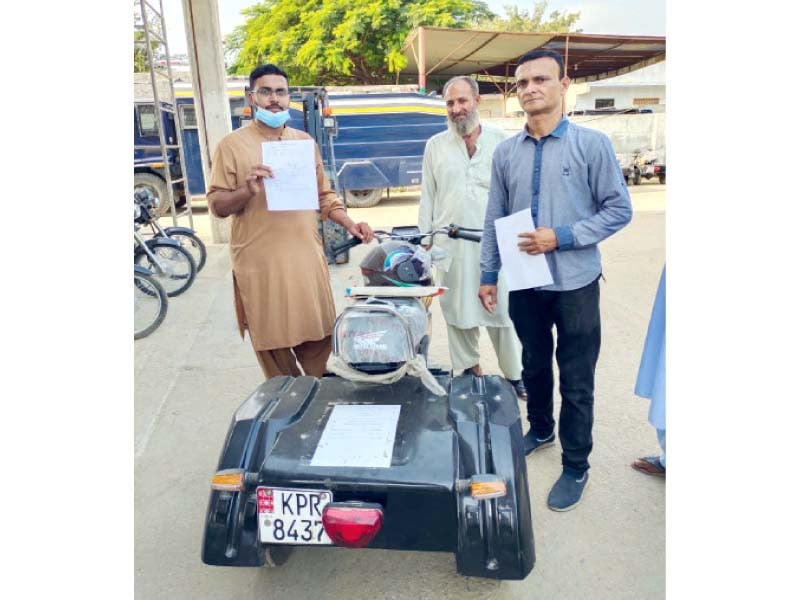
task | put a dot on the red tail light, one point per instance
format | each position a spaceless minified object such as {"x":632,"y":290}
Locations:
{"x":352,"y":525}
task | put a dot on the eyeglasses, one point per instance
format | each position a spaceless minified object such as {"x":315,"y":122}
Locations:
{"x":266,"y":92}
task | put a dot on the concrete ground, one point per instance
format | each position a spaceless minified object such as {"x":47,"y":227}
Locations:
{"x":192,"y":373}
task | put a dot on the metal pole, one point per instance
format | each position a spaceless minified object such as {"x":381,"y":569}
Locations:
{"x":212,"y":105}
{"x":178,"y":124}
{"x":422,"y":61}
{"x":156,"y":98}
{"x":505,"y":93}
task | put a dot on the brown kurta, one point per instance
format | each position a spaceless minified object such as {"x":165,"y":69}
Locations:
{"x":280,"y":276}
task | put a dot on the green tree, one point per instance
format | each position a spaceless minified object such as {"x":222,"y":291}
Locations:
{"x":520,"y":20}
{"x":340,"y":41}
{"x":139,"y":45}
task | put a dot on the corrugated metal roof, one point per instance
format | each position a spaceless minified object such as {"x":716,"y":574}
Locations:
{"x":589,"y":57}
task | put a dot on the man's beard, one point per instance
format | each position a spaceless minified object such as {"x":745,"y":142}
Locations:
{"x":466,"y":126}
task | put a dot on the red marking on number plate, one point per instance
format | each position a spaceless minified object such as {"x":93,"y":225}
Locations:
{"x":265,"y":501}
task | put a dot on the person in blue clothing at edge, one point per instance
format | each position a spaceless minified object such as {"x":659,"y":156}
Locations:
{"x":651,"y":382}
{"x":568,"y":177}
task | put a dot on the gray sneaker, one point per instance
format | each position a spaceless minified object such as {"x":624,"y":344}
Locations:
{"x":532,"y":443}
{"x":567,"y":491}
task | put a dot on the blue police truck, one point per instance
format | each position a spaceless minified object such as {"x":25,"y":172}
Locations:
{"x":369,"y":141}
{"x":148,"y":162}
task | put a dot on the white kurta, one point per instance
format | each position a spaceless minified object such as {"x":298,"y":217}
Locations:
{"x":455,"y":189}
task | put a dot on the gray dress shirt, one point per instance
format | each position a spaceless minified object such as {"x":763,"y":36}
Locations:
{"x":571,"y":182}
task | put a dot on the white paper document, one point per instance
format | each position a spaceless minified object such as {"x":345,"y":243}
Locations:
{"x":520,"y":269}
{"x":293,"y":185}
{"x":358,"y":435}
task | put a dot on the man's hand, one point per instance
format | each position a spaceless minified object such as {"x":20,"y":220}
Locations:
{"x":362,"y":231}
{"x":538,"y":242}
{"x":257,"y":173}
{"x":488,"y":296}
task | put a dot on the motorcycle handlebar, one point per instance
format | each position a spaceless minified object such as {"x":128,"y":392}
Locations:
{"x":453,"y":231}
{"x":345,"y":245}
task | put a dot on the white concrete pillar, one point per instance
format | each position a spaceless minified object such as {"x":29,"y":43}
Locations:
{"x":206,"y":57}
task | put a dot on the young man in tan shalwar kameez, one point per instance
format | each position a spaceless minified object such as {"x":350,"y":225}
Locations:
{"x":281,"y":282}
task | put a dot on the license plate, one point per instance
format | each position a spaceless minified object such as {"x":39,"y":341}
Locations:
{"x":292,"y":516}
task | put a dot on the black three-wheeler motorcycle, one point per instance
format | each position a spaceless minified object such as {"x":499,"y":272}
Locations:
{"x":386,"y":452}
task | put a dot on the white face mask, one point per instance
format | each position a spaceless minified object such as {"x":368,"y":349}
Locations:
{"x":272,"y":119}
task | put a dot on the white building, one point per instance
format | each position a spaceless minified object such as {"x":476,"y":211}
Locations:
{"x":646,"y":87}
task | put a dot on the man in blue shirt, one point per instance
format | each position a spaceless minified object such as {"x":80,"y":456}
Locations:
{"x":568,"y":177}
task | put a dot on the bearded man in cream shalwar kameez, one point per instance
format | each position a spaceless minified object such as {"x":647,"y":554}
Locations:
{"x":456,"y":172}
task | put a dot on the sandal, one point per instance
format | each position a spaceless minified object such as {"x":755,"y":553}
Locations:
{"x":650,"y":465}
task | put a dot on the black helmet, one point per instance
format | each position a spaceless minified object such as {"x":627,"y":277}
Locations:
{"x":396,"y":263}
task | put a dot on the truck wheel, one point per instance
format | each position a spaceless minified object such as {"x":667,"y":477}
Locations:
{"x":662,"y":179}
{"x":276,"y":555}
{"x":637,"y":177}
{"x":156,"y":186}
{"x":363,"y":198}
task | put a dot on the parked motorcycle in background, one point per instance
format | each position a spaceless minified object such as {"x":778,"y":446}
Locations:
{"x":187,"y":238}
{"x":149,"y":303}
{"x":643,"y":163}
{"x":171,"y":264}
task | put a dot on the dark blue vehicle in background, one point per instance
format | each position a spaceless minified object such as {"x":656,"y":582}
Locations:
{"x":381,"y":140}
{"x":369,"y":141}
{"x":148,"y":161}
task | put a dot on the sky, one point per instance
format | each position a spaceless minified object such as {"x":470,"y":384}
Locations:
{"x":624,"y":17}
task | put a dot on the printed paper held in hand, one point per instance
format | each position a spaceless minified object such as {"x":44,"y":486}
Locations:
{"x":520,"y":269}
{"x":358,"y":435}
{"x":293,"y":185}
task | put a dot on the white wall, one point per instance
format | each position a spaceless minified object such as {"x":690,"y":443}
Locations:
{"x":492,"y":104}
{"x":623,"y":95}
{"x":644,"y":131}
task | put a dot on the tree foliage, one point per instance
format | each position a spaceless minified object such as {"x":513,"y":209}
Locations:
{"x":139,"y":46}
{"x":521,"y":20}
{"x":340,"y":41}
